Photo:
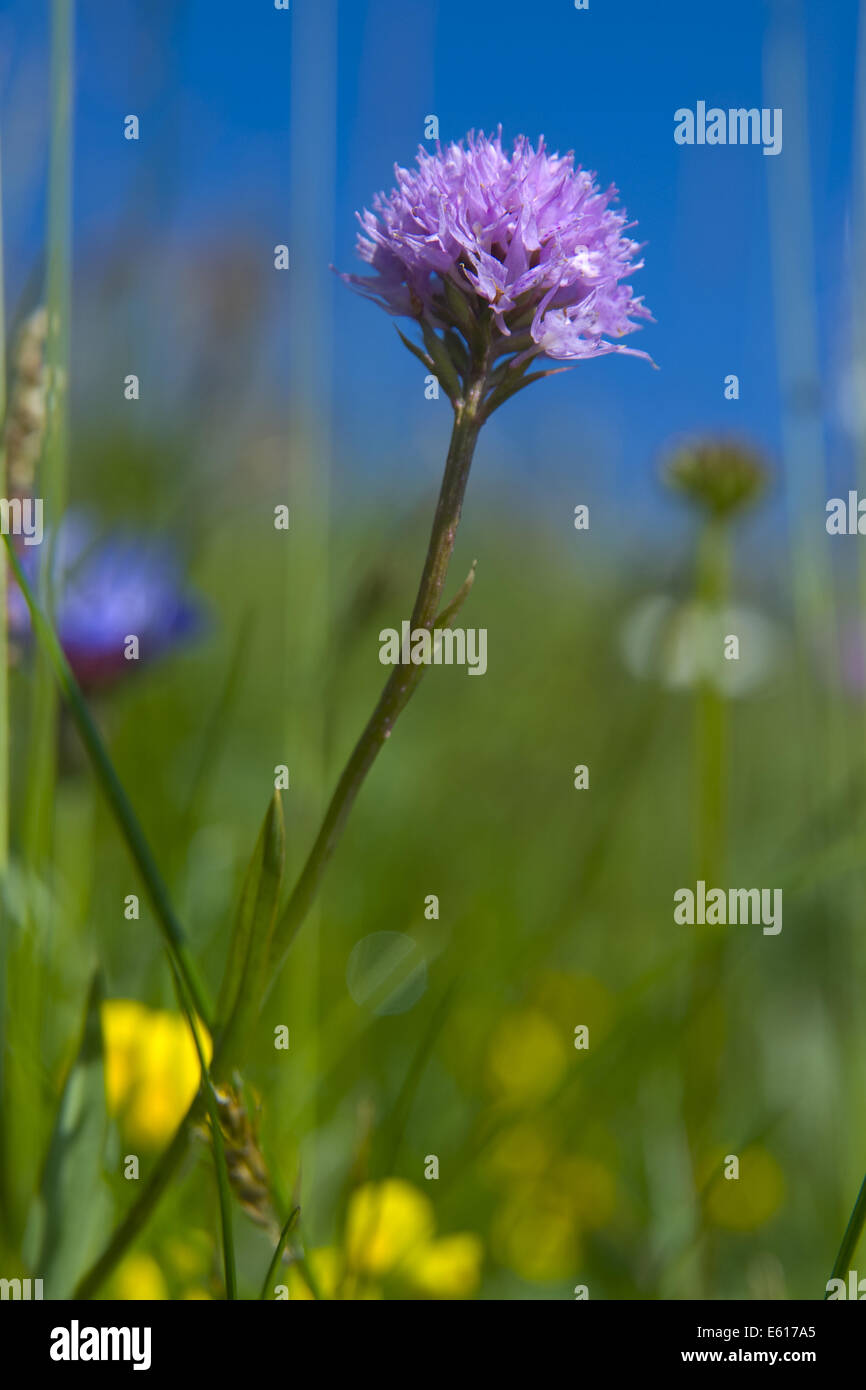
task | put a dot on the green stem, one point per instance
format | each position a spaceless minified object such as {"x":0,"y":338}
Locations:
{"x":140,"y":1211}
{"x":137,"y":1216}
{"x":222,"y":1172}
{"x":190,"y":987}
{"x":394,"y":698}
{"x":4,"y":628}
{"x":42,"y":762}
{"x":702,"y":1057}
{"x":402,"y":682}
{"x":115,"y":795}
{"x":712,"y":593}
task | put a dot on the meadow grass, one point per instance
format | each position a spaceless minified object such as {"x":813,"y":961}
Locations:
{"x":560,"y":1165}
{"x":555,"y":905}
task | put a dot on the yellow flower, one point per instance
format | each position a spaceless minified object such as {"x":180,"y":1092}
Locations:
{"x":589,"y":1187}
{"x":745,"y":1202}
{"x":139,"y":1279}
{"x":527,"y":1057}
{"x":151,"y":1069}
{"x":297,"y":1284}
{"x":390,"y":1232}
{"x":330,"y":1277}
{"x":535,"y":1234}
{"x":447,"y":1268}
{"x":325,"y":1269}
{"x":384,"y":1222}
{"x":189,"y":1257}
{"x":521,"y":1151}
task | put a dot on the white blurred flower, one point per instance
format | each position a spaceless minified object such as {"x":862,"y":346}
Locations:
{"x":682,"y":644}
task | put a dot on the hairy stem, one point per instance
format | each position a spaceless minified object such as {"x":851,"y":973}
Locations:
{"x":398,"y":690}
{"x":402,"y":682}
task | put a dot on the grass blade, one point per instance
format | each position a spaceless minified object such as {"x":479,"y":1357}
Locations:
{"x":115,"y":795}
{"x":274,"y":1264}
{"x":246,"y":968}
{"x":4,"y":633}
{"x":222,"y":1175}
{"x":42,"y":761}
{"x":74,"y":1203}
{"x":851,"y":1238}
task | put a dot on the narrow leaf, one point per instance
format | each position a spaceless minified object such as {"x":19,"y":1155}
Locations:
{"x":443,"y":365}
{"x":114,"y":792}
{"x":414,"y":348}
{"x":448,"y":614}
{"x":240,"y":939}
{"x":463,"y":315}
{"x":246,"y":969}
{"x":510,"y":388}
{"x":219,"y":1153}
{"x":75,"y":1202}
{"x":277,"y":1255}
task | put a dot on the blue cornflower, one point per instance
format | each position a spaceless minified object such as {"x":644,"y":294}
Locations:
{"x":105,"y":591}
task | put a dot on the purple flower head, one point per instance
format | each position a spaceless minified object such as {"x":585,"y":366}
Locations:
{"x":106,"y":590}
{"x":523,"y":245}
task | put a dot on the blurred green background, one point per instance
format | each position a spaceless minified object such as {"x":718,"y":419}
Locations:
{"x":559,"y":1166}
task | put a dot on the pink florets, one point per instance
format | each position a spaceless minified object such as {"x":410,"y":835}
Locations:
{"x":525,"y":233}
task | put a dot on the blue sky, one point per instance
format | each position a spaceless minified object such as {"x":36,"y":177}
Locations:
{"x":267,"y":126}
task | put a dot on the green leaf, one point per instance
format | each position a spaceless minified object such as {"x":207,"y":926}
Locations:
{"x":457,"y":351}
{"x":463,"y":315}
{"x":447,"y":616}
{"x":510,"y":387}
{"x":219,"y":1153}
{"x":444,"y":367}
{"x":114,"y":792}
{"x":240,"y":942}
{"x":75,"y":1201}
{"x":277,"y":1255}
{"x":414,"y":348}
{"x":246,"y":968}
{"x":512,"y":345}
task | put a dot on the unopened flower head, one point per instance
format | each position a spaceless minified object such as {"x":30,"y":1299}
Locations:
{"x":25,"y":420}
{"x":722,"y":476}
{"x":519,"y":244}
